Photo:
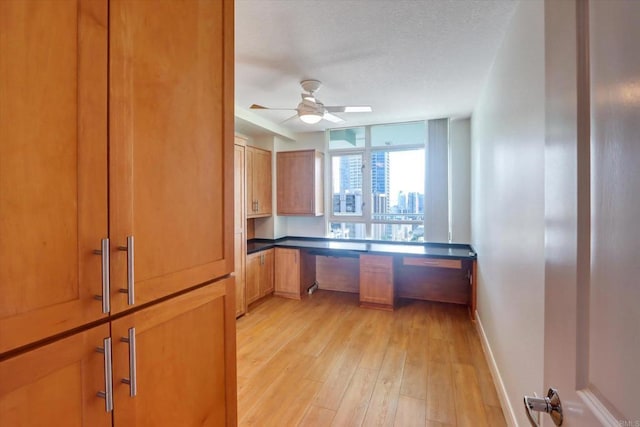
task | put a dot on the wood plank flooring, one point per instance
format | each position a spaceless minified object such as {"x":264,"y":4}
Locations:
{"x":324,"y":361}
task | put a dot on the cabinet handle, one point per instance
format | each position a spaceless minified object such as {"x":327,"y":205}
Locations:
{"x":130,"y":291}
{"x":132,"y":380}
{"x":107,"y":394}
{"x":105,"y":297}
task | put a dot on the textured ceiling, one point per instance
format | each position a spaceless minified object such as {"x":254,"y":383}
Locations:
{"x":409,"y":60}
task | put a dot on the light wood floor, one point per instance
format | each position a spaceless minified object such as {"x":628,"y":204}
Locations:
{"x":324,"y":361}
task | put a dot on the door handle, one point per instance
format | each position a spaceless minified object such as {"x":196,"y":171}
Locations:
{"x":107,"y":394}
{"x":132,"y":380}
{"x":130,"y":290}
{"x":106,"y":286}
{"x":550,"y":404}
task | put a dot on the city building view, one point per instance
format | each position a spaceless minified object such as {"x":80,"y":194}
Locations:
{"x":397,"y":209}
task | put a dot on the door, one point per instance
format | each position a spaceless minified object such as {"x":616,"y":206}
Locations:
{"x":53,"y":166}
{"x":258,"y":164}
{"x":182,"y":369}
{"x":592,"y":292}
{"x":266,"y":273}
{"x":56,"y":384}
{"x":171,"y":146}
{"x":287,"y":273}
{"x":252,"y":277}
{"x":376,"y":280}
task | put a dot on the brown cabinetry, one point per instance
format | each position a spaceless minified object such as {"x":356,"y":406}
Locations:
{"x":295,"y":271}
{"x":53,"y":167}
{"x":259,"y":277}
{"x":239,"y":225}
{"x":182,"y":361}
{"x":300,"y":182}
{"x":56,"y":384}
{"x":376,"y":281}
{"x":258,"y":185}
{"x":68,"y":258}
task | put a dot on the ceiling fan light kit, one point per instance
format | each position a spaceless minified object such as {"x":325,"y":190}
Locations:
{"x":311,"y":110}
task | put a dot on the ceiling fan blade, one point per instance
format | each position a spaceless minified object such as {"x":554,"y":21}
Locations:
{"x":290,"y":118}
{"x":349,"y":109}
{"x":332,"y":118}
{"x":262,"y":107}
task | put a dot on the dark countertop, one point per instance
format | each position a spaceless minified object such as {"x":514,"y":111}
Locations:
{"x":340,"y":247}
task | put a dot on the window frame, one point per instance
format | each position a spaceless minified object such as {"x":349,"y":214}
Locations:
{"x":367,"y":197}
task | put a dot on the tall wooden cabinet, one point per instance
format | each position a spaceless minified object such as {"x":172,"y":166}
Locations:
{"x":300,"y":182}
{"x":259,"y":194}
{"x":80,"y":243}
{"x":239,"y":225}
{"x":53,"y":166}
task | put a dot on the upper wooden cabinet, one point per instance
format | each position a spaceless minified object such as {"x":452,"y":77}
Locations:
{"x":170,"y":126}
{"x":53,"y":166}
{"x":300,"y":182}
{"x":258,"y":185}
{"x":171,"y":151}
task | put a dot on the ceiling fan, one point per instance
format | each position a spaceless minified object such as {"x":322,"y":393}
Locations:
{"x":310,"y":110}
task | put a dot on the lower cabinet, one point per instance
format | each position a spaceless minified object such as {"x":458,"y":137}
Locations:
{"x":259,"y":275}
{"x":172,"y":364}
{"x":376,"y":281}
{"x":56,"y":384}
{"x":295,"y":271}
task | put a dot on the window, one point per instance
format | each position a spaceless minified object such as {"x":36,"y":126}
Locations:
{"x":378,"y":180}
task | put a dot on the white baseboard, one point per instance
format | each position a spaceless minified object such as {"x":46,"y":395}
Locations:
{"x":507,"y":409}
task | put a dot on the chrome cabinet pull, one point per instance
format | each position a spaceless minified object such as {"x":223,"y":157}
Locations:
{"x":105,"y":297}
{"x":132,"y":380}
{"x":130,"y":291}
{"x":107,"y":394}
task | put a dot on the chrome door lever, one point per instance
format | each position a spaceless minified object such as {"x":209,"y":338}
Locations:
{"x":550,"y":404}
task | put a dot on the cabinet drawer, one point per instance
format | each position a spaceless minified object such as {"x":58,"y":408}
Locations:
{"x":432,"y":262}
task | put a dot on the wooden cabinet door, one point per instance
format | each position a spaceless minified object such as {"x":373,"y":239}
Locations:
{"x":53,"y":166}
{"x":376,"y":281}
{"x":300,"y":183}
{"x":262,"y":181}
{"x":252,"y":278}
{"x":184,"y":361}
{"x":287,"y":273}
{"x":56,"y":384}
{"x":266,"y":272}
{"x":239,"y":222}
{"x":171,"y":150}
{"x":259,"y":181}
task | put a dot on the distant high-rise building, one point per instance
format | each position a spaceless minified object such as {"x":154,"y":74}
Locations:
{"x":350,"y":174}
{"x":380,"y":204}
{"x":402,"y":202}
{"x":413,"y":202}
{"x":380,"y":175}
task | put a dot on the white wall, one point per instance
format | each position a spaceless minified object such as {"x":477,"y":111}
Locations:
{"x":460,"y":179}
{"x":508,"y":140}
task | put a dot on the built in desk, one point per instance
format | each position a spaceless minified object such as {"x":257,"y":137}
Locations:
{"x":382,"y":272}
